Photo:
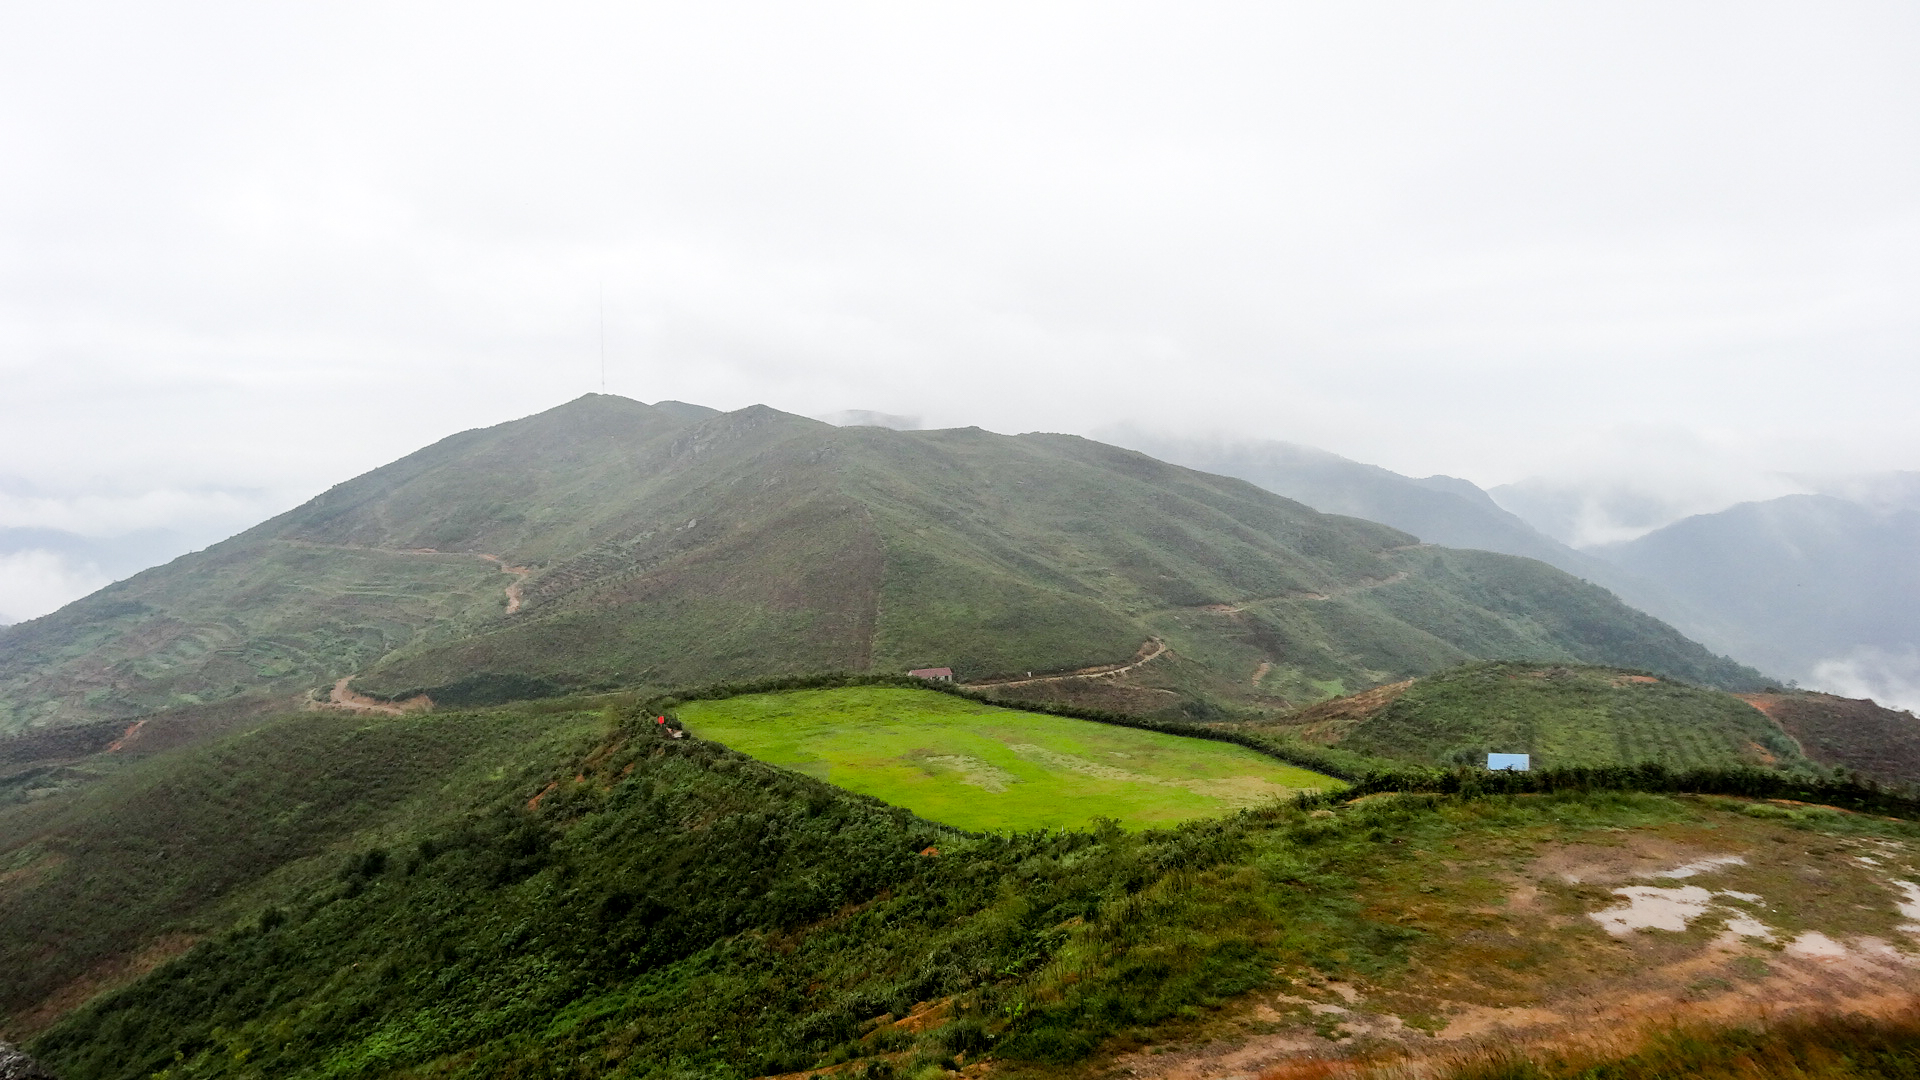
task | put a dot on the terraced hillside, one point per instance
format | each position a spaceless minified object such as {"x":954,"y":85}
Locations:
{"x":1562,"y":715}
{"x":607,"y":542}
{"x":1851,"y":733}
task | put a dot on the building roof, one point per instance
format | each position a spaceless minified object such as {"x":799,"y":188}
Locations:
{"x":932,"y":672}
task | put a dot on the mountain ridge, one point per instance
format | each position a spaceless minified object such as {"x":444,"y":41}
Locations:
{"x":1790,"y":583}
{"x":666,"y":546}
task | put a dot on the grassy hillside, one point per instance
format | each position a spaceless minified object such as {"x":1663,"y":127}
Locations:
{"x":610,"y":543}
{"x":1850,"y":733}
{"x":623,"y":904}
{"x":976,"y":767}
{"x":152,"y":854}
{"x":1562,"y":715}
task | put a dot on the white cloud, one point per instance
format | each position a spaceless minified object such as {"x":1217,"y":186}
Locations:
{"x":261,"y":248}
{"x":33,"y":583}
{"x":107,"y":515}
{"x":1890,"y":677}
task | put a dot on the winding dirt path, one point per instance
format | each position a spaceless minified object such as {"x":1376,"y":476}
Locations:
{"x":1151,"y":649}
{"x":519,"y":578}
{"x":520,"y":573}
{"x":343,"y":696}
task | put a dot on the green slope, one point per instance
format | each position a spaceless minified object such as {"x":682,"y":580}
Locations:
{"x":978,"y":767}
{"x":1561,"y":715}
{"x":671,"y":546}
{"x":610,"y":902}
{"x":154,"y":852}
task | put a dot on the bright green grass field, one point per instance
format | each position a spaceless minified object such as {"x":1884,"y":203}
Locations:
{"x":979,"y":767}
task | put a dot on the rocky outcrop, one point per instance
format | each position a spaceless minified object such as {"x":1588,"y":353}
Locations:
{"x":15,"y":1065}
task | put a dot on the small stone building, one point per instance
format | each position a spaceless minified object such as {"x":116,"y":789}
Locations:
{"x":936,"y":674}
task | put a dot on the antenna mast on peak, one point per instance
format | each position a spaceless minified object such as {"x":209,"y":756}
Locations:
{"x":603,"y":337}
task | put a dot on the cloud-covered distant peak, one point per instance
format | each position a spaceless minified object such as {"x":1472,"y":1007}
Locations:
{"x":1888,"y":676}
{"x":37,"y":581}
{"x":870,"y":418}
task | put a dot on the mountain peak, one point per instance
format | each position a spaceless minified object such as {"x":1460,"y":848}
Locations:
{"x":685,"y":410}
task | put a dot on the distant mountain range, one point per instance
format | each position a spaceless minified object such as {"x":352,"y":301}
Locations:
{"x":1818,"y":588}
{"x":1823,"y":589}
{"x":1438,"y":509}
{"x":607,"y":542}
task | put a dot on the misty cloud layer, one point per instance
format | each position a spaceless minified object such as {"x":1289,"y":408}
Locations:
{"x":248,"y":251}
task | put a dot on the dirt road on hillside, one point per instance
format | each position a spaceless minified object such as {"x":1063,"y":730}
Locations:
{"x":343,"y":696}
{"x":519,"y":578}
{"x":520,"y":573}
{"x":1151,"y":649}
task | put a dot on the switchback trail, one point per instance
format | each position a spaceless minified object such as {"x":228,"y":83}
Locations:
{"x":520,"y":573}
{"x":342,"y":696}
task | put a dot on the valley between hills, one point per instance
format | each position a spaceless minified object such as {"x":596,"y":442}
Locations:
{"x":582,"y":746}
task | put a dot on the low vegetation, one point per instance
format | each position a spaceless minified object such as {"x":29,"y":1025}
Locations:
{"x":1561,"y":715}
{"x":649,"y":906}
{"x":971,"y":765}
{"x":1853,"y":733}
{"x":170,"y":848}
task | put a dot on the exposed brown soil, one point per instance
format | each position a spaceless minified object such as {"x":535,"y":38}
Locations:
{"x":1777,"y":927}
{"x":1328,"y":721}
{"x":117,"y":971}
{"x":344,"y":696}
{"x":1854,"y":733}
{"x":121,"y":743}
{"x":519,"y":578}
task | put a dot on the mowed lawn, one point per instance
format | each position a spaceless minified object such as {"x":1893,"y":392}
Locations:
{"x":979,"y":767}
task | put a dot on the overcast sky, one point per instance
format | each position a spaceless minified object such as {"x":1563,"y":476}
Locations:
{"x":248,"y":250}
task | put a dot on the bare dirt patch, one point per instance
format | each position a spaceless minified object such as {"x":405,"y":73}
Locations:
{"x":120,"y":743}
{"x":104,"y":976}
{"x":1327,"y":722}
{"x":520,"y":573}
{"x":344,"y":696}
{"x":1590,"y":945}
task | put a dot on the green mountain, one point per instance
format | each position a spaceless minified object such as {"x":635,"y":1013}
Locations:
{"x":1563,"y":716}
{"x":1444,"y":510}
{"x":1803,"y":584}
{"x":607,"y":542}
